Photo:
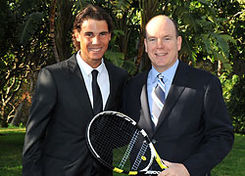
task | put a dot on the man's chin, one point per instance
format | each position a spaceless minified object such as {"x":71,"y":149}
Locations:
{"x":97,"y":56}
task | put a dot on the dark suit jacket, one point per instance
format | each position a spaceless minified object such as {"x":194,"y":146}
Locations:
{"x":55,"y":142}
{"x":194,"y":127}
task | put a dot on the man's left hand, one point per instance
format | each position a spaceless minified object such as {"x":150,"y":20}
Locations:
{"x":174,"y":169}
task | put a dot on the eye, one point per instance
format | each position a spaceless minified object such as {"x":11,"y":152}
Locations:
{"x":168,"y":38}
{"x":103,"y":34}
{"x":151,"y":39}
{"x":89,"y":34}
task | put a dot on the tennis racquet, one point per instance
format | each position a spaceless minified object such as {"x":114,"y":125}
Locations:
{"x":119,"y":144}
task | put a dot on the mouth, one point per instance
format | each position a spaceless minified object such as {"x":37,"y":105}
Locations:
{"x":160,"y":54}
{"x":95,"y":49}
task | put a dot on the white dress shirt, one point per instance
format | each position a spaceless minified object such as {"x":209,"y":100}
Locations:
{"x":103,"y":78}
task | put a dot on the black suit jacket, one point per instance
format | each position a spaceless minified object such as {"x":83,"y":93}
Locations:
{"x":194,"y":127}
{"x":55,"y":142}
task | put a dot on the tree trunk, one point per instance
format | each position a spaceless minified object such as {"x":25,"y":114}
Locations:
{"x":17,"y":116}
{"x":63,"y":25}
{"x":219,"y":69}
{"x":140,"y":53}
{"x":52,"y":30}
{"x":4,"y":123}
{"x":148,"y":10}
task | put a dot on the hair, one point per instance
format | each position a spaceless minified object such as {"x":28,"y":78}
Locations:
{"x":175,"y":26}
{"x":174,"y":22}
{"x":90,"y":12}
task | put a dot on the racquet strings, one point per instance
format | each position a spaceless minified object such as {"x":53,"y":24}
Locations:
{"x":118,"y":143}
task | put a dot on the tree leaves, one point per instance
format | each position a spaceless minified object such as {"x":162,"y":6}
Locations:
{"x":30,"y":26}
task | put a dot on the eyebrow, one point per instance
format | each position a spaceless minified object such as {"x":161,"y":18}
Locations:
{"x":168,"y":35}
{"x":91,"y":32}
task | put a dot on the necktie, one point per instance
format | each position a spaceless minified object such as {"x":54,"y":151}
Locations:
{"x":97,"y":97}
{"x":158,"y":97}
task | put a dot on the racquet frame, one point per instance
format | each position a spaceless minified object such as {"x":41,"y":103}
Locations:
{"x":154,"y":154}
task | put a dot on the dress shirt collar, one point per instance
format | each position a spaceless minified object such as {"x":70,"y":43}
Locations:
{"x":168,"y":74}
{"x":87,"y":68}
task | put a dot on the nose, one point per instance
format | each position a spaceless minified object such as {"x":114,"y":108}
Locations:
{"x":95,"y":39}
{"x":159,"y":43}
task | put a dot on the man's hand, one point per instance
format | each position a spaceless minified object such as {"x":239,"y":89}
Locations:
{"x":174,"y":169}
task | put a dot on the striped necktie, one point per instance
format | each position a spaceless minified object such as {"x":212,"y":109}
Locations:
{"x":158,"y":97}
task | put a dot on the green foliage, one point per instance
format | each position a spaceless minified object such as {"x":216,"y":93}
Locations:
{"x":24,"y":45}
{"x":10,"y":151}
{"x":203,"y":33}
{"x":216,"y":47}
{"x":12,"y":140}
{"x":31,"y":25}
{"x":232,"y":165}
{"x":236,"y":105}
{"x":234,"y":93}
{"x":228,"y":85}
{"x":231,"y":14}
{"x":21,"y":126}
{"x":212,"y":32}
{"x":115,"y":57}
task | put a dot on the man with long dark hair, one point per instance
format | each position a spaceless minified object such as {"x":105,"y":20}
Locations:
{"x":68,"y":94}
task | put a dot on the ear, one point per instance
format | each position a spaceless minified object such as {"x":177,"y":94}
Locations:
{"x":77,"y":35}
{"x":109,"y":36}
{"x":179,"y":42}
{"x":145,"y":42}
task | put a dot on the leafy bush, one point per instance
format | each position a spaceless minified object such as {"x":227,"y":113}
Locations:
{"x":234,"y":95}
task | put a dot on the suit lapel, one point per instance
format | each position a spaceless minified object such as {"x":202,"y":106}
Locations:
{"x":145,"y":121}
{"x":177,"y":87}
{"x":113,"y":80}
{"x":77,"y":80}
